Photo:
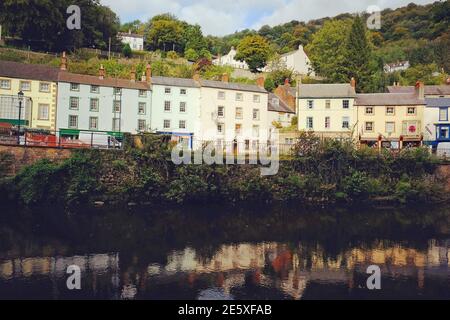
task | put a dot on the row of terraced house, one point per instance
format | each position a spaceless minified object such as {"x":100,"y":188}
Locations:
{"x":190,"y":110}
{"x":405,"y":116}
{"x":195,"y":110}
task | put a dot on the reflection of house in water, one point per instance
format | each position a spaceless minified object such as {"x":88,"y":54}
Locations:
{"x":93,"y":266}
{"x":293,"y":269}
{"x":278,"y":267}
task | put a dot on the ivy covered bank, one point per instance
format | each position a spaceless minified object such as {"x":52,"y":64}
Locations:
{"x":319,"y":172}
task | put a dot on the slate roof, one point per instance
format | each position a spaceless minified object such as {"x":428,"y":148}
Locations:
{"x":176,"y":82}
{"x":343,"y":90}
{"x":438,"y":102}
{"x":28,"y":71}
{"x":388,"y":99}
{"x":281,"y":106}
{"x":429,"y":90}
{"x":106,"y":82}
{"x":232,"y":86}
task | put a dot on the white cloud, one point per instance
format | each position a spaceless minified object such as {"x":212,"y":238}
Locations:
{"x":220,"y":17}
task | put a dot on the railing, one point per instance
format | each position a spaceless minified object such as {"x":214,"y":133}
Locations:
{"x":60,"y":139}
{"x":245,"y":148}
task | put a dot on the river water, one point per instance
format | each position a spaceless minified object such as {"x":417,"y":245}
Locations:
{"x":225,"y":253}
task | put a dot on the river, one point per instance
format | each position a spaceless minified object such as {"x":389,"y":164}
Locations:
{"x":214,"y":252}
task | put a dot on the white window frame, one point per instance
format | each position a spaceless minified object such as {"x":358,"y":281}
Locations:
{"x":75,"y":87}
{"x":140,"y":104}
{"x":40,"y":108}
{"x":97,"y":109}
{"x":73,"y":116}
{"x":90,"y":123}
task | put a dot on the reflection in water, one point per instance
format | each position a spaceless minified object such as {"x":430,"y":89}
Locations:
{"x":268,"y":253}
{"x":240,"y":271}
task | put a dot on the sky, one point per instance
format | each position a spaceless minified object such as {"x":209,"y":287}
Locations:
{"x":221,"y":17}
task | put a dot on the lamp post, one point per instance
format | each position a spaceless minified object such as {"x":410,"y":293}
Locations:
{"x":20,"y":95}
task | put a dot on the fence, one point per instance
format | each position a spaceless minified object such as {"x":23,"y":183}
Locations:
{"x":60,"y":139}
{"x":244,"y":147}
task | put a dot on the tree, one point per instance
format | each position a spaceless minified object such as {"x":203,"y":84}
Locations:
{"x":126,"y":51}
{"x":42,"y":24}
{"x":327,"y":50}
{"x":164,"y":32}
{"x":191,"y":55}
{"x":255,"y":51}
{"x":358,"y":54}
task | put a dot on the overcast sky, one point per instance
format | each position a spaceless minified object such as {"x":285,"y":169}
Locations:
{"x":220,"y":17}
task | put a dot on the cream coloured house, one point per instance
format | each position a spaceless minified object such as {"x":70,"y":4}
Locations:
{"x":391,"y":120}
{"x":39,"y":86}
{"x":327,"y":109}
{"x":436,"y":124}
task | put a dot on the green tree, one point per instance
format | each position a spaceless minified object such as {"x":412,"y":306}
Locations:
{"x":255,"y":51}
{"x":164,"y":32}
{"x":126,"y":51}
{"x":191,"y":55}
{"x":358,"y":54}
{"x":327,"y":50}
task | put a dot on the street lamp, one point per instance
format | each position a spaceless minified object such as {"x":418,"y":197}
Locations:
{"x":20,"y":95}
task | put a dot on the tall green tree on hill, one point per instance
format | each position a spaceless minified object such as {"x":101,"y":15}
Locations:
{"x":327,"y":50}
{"x":255,"y":51}
{"x":358,"y":54}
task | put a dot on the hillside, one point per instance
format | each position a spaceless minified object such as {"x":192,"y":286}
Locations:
{"x":416,"y":33}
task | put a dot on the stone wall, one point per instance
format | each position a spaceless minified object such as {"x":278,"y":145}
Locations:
{"x":23,"y":156}
{"x":444,"y":171}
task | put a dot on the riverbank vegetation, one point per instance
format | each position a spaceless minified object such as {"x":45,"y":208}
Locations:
{"x":324,"y":172}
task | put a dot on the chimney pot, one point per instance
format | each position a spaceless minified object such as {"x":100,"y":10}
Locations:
{"x":196,"y":76}
{"x":63,"y":62}
{"x":133,"y":74}
{"x":102,"y":72}
{"x":225,"y":77}
{"x":260,"y":82}
{"x":420,"y":90}
{"x":148,"y":74}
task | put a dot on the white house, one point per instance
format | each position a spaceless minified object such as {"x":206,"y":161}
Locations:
{"x":327,"y":109}
{"x":176,"y":108}
{"x":234,"y":115}
{"x":135,"y":41}
{"x":296,"y":61}
{"x":228,"y":60}
{"x":397,"y":66}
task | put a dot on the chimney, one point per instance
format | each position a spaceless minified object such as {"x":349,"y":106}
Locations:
{"x":133,"y":74}
{"x":286,"y":82}
{"x":196,"y":76}
{"x":447,"y":81}
{"x":260,"y":82}
{"x":353,"y":82}
{"x":143,"y":79}
{"x":63,"y":62}
{"x":101,"y":73}
{"x":225,"y":77}
{"x":148,"y":74}
{"x":420,"y":90}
